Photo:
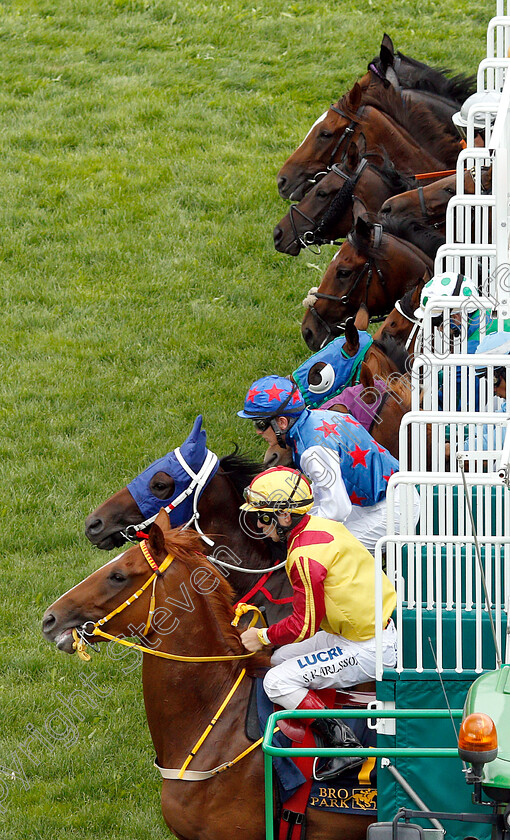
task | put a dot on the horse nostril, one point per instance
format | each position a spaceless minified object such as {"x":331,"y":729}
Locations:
{"x":385,"y":211}
{"x":94,"y":526}
{"x":48,"y":622}
{"x":307,"y":335}
{"x":277,"y":235}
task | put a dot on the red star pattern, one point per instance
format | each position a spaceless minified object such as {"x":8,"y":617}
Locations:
{"x":347,"y":419}
{"x":327,"y":428}
{"x":387,"y":477}
{"x":380,"y":448}
{"x":296,"y":396}
{"x":358,"y":456}
{"x":355,"y":499}
{"x":252,"y":393}
{"x":273,"y":393}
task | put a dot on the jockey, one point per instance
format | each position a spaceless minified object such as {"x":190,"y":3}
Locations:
{"x":328,"y":640}
{"x":495,"y":344}
{"x":349,"y":471}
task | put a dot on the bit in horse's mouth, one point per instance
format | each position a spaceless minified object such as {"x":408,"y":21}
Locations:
{"x":64,"y":640}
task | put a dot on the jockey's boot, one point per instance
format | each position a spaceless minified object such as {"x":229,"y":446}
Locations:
{"x":335,"y":733}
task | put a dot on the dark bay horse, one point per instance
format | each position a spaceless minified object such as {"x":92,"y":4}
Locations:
{"x":408,"y":134}
{"x":434,"y":87}
{"x":329,"y":210}
{"x":373,"y":267}
{"x":428,"y":203}
{"x":386,"y":363}
{"x":217,"y":506}
{"x":182,"y":696}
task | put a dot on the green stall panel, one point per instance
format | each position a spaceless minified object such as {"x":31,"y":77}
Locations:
{"x":439,"y":782}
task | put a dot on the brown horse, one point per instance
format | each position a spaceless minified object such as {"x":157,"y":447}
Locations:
{"x":401,"y":323}
{"x":385,"y":362}
{"x":218,"y":518}
{"x":428,"y":203}
{"x":373,"y":267}
{"x":418,"y":82}
{"x":182,"y":697}
{"x":409,"y":135}
{"x":330,"y":209}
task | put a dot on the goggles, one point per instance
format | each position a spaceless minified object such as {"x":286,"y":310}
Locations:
{"x":262,"y":424}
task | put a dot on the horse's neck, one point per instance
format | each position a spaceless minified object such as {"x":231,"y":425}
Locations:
{"x":400,"y":144}
{"x":181,"y":698}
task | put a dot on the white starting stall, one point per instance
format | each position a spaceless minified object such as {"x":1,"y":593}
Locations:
{"x":452,"y":569}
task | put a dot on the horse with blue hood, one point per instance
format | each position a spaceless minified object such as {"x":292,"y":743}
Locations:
{"x":199,"y":490}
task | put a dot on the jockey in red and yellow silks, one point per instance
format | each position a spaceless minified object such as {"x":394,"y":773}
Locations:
{"x":329,"y":639}
{"x":333,"y":578}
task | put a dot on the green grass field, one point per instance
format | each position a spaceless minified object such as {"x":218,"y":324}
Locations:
{"x":139,"y":143}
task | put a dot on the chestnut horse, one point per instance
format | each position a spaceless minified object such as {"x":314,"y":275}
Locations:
{"x":182,"y":696}
{"x":409,"y":135}
{"x":401,"y":323}
{"x":385,"y":362}
{"x":218,"y":518}
{"x":329,"y":210}
{"x":428,"y":204}
{"x":373,"y":267}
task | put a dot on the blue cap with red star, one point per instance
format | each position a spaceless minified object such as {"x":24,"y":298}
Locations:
{"x":272,"y":396}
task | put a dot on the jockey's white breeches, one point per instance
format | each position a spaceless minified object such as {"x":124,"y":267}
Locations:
{"x":369,"y":524}
{"x":324,"y":661}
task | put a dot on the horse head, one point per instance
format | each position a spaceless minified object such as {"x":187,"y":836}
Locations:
{"x":325,"y":143}
{"x":354,"y":186}
{"x":348,"y":282}
{"x":174,"y":481}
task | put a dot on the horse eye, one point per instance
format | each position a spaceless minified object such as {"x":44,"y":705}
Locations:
{"x":321,"y":380}
{"x":449,"y":191}
{"x":343,"y":272}
{"x":326,"y":134}
{"x":117,"y":577}
{"x":321,"y":194}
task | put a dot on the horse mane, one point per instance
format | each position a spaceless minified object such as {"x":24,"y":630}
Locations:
{"x":413,"y":117}
{"x":397,"y":181}
{"x":395,"y":351}
{"x":240,"y":469}
{"x":439,"y":80}
{"x":407,"y":304}
{"x":185,"y":544}
{"x":436,"y":79}
{"x":426,"y":238}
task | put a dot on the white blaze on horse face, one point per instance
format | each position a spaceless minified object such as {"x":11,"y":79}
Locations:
{"x":321,"y":119}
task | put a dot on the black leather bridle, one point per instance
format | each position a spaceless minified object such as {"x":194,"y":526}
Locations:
{"x":368,"y":268}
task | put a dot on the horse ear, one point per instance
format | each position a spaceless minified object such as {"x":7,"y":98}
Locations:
{"x":362,"y":318}
{"x":363,"y":228}
{"x":354,"y":97}
{"x":365,"y":376}
{"x":159,"y":528}
{"x":387,"y":45}
{"x":351,"y":345}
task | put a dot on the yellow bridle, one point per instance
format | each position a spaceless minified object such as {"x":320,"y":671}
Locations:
{"x":79,"y":645}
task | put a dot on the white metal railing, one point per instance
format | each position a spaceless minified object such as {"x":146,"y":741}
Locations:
{"x":453,"y":439}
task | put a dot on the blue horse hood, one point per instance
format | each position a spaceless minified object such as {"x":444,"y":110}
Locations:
{"x":330,"y":370}
{"x":194,"y":452}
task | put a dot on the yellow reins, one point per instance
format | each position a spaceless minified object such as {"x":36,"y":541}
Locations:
{"x":79,"y":645}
